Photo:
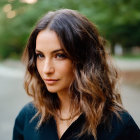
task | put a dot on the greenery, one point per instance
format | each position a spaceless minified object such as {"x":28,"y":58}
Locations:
{"x":117,"y":20}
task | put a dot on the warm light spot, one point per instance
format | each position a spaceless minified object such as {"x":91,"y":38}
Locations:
{"x":7,"y":8}
{"x":29,"y":1}
{"x":11,"y":14}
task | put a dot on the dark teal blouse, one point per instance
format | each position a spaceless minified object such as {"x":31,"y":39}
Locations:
{"x":24,"y":129}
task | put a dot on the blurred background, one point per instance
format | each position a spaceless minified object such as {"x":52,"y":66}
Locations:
{"x":117,"y":20}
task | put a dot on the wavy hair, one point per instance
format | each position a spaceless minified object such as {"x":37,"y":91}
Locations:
{"x":94,"y":87}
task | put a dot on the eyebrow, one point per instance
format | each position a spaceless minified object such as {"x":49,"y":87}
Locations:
{"x":54,"y":51}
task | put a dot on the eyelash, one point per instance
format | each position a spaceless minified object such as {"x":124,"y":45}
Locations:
{"x":39,"y":55}
{"x":58,"y":55}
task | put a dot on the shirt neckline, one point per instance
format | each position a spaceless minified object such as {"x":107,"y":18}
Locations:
{"x":70,"y":128}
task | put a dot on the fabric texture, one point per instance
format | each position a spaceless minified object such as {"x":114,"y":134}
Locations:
{"x":25,"y":129}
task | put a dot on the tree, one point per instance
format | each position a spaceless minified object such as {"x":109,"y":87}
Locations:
{"x":117,"y":20}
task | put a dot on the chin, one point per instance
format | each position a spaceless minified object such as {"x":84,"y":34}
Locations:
{"x":56,"y":88}
{"x":52,"y":90}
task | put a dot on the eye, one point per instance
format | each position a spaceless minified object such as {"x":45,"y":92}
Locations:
{"x":60,"y":56}
{"x":39,"y":55}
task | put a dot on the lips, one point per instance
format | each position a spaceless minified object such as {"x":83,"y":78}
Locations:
{"x":50,"y":81}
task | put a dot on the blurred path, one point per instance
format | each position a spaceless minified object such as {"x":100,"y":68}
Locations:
{"x":128,"y":64}
{"x":13,"y":96}
{"x":131,"y":101}
{"x":130,"y":90}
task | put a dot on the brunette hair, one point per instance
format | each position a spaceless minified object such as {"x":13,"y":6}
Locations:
{"x":94,"y":87}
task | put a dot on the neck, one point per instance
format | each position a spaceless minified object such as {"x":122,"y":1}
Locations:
{"x":65,"y":101}
{"x":67,"y":110}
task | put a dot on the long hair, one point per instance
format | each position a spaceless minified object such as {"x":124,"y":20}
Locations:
{"x":94,"y":87}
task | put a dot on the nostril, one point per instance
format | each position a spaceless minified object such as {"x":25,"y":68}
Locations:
{"x":48,"y":69}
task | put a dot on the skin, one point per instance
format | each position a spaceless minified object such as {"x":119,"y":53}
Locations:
{"x":52,"y":63}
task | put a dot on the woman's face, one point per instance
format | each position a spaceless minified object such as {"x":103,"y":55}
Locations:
{"x":54,"y":67}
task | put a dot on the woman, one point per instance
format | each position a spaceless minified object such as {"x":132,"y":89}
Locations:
{"x":72,"y":85}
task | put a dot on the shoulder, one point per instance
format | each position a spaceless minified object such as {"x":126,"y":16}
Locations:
{"x":29,"y":109}
{"x":23,"y":119}
{"x":122,"y":126}
{"x":27,"y":112}
{"x":124,"y":120}
{"x":129,"y":128}
{"x":25,"y":115}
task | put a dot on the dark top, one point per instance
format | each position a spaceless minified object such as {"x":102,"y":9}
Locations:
{"x":24,"y":129}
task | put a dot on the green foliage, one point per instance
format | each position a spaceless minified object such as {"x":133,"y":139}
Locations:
{"x":122,"y":24}
{"x":117,"y":20}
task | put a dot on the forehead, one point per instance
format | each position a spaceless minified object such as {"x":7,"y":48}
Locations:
{"x":47,"y":40}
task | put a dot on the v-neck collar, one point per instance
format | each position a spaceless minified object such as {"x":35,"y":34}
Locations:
{"x":70,"y":130}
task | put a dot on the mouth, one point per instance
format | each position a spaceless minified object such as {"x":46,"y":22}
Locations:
{"x":50,"y":81}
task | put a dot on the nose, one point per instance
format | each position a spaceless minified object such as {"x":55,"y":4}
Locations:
{"x":48,"y":67}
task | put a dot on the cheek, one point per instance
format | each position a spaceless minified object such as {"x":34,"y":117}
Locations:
{"x":39,"y":67}
{"x":67,"y":71}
